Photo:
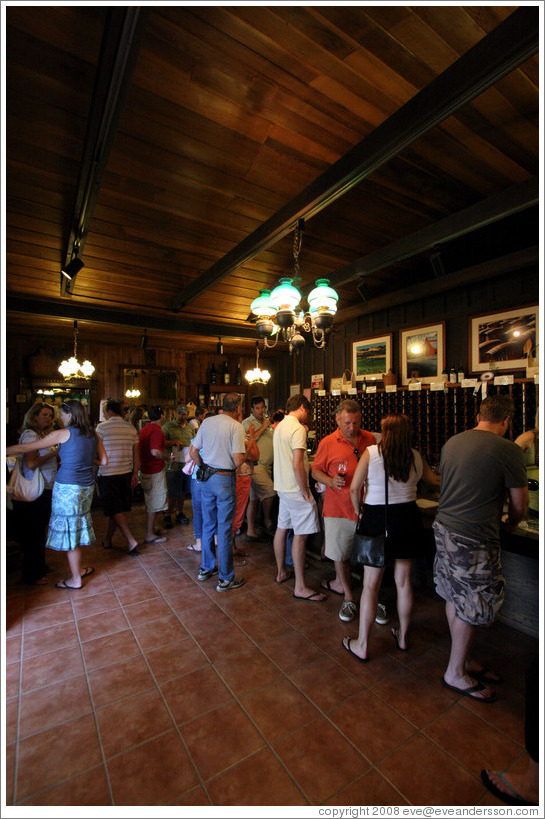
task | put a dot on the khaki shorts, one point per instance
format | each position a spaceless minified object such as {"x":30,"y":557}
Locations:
{"x":155,"y":491}
{"x":262,"y":484}
{"x":294,"y":512}
{"x":339,"y":537}
{"x":467,"y":573}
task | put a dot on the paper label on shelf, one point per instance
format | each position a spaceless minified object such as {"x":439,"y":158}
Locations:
{"x":503,"y":380}
{"x":335,"y":392}
{"x":321,"y":392}
{"x":470,"y":382}
{"x":536,"y":378}
{"x":415,"y":387}
{"x":391,"y":388}
{"x":352,"y":391}
{"x":371,"y":389}
{"x":437,"y":386}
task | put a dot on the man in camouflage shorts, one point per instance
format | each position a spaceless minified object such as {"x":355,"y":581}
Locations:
{"x":477,"y":467}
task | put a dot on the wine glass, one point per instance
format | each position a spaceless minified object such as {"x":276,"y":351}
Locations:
{"x":342,"y":468}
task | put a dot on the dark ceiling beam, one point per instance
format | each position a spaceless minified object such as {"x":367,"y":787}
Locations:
{"x":506,"y":203}
{"x":179,"y":325}
{"x":487,"y":270}
{"x":509,"y":45}
{"x":123,"y":33}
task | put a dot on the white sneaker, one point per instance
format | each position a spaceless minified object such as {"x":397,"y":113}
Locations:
{"x":348,"y":611}
{"x":381,"y":616}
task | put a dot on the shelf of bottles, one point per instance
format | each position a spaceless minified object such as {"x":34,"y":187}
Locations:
{"x":435,"y":415}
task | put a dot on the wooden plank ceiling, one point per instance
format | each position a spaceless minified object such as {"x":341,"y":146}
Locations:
{"x":229,"y":114}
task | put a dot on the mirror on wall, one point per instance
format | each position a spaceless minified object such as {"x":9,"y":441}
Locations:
{"x":149,"y":386}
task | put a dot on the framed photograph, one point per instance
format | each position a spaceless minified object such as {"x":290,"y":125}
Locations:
{"x":295,"y":389}
{"x":335,"y":383}
{"x":372,"y":357}
{"x":506,"y":340}
{"x":422,"y":353}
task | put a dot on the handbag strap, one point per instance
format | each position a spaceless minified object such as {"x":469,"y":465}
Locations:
{"x":385,"y":498}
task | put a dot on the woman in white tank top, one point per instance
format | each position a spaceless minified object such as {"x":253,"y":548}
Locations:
{"x":405,"y":468}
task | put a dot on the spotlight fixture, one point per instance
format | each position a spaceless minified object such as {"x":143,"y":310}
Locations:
{"x":278,"y":314}
{"x":363,"y":291}
{"x":219,"y":346}
{"x":72,"y":268}
{"x":72,"y":368}
{"x":257,"y":376}
{"x":144,"y":340}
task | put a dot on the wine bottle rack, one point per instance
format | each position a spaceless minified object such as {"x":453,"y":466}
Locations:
{"x":436,"y":416}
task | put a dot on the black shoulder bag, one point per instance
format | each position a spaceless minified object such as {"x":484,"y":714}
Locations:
{"x":368,"y":550}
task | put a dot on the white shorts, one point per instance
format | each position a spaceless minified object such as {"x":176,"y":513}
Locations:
{"x":262,"y":484}
{"x":155,"y":491}
{"x":339,"y":536}
{"x":294,"y":512}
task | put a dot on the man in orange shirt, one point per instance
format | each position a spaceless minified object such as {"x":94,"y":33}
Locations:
{"x":334,"y":466}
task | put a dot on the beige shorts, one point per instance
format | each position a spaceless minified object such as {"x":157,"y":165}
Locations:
{"x":339,"y":536}
{"x":155,"y":491}
{"x":294,"y":512}
{"x":262,"y":484}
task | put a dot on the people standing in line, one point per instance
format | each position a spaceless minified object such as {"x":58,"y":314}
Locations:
{"x":334,"y":466}
{"x":32,"y":517}
{"x":70,"y":524}
{"x":393,"y":457}
{"x":477,"y":468}
{"x":297,"y":508}
{"x":178,"y":435}
{"x":221,"y":444}
{"x":262,"y":486}
{"x":119,"y":477}
{"x":152,"y":471}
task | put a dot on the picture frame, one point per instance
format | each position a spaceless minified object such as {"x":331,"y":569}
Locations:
{"x":422,"y":353}
{"x":295,"y":389}
{"x":504,"y":340}
{"x":372,"y":357}
{"x":335,"y":383}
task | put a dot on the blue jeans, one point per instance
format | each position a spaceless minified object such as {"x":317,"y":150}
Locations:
{"x":218,"y":502}
{"x":196,"y":499}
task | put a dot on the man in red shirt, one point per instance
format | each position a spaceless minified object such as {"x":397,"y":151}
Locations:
{"x":334,"y":466}
{"x":152,"y":471}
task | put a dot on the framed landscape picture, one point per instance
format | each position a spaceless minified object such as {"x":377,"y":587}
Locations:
{"x":372,"y":357}
{"x":422,"y":353}
{"x":506,"y":340}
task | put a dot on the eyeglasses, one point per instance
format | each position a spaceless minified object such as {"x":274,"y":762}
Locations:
{"x":357,"y":454}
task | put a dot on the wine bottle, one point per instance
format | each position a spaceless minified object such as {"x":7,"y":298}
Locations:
{"x":238,"y":374}
{"x":213,"y":374}
{"x":452,"y":376}
{"x":461,"y":373}
{"x":225,"y":377}
{"x":444,"y":375}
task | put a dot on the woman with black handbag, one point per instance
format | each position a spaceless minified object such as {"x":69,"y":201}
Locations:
{"x":389,"y":528}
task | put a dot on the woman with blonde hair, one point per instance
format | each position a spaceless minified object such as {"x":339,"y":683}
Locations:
{"x":32,"y":517}
{"x":70,"y":525}
{"x":393,"y":457}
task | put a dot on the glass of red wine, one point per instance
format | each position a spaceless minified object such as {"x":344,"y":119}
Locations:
{"x":342,"y":468}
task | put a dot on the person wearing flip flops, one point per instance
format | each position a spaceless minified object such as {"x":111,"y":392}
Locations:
{"x":152,"y":471}
{"x":345,"y":445}
{"x":297,"y":508}
{"x":117,"y":480}
{"x":478,"y":467}
{"x":70,"y":524}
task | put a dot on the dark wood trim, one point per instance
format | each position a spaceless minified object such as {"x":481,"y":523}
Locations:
{"x":480,"y":272}
{"x":505,"y":48}
{"x":122,"y":38}
{"x":506,"y":203}
{"x":79,"y":311}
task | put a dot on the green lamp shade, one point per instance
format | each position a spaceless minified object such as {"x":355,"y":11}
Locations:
{"x":323,"y":298}
{"x":262,"y":305}
{"x":285,"y":296}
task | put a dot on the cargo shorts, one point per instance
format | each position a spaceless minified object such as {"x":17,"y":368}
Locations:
{"x":467,"y":573}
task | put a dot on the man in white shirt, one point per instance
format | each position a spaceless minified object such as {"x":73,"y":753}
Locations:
{"x":220,"y":443}
{"x":297,"y":509}
{"x":117,"y":480}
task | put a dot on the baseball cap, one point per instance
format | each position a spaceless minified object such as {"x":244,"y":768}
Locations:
{"x":182,"y":409}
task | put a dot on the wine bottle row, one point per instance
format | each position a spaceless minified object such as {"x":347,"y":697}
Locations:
{"x":436,"y":416}
{"x":223,"y":376}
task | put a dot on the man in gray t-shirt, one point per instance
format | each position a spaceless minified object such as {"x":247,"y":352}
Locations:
{"x":221,"y":443}
{"x":478,"y":468}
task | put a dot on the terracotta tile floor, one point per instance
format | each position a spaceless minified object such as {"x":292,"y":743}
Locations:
{"x":149,"y":688}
